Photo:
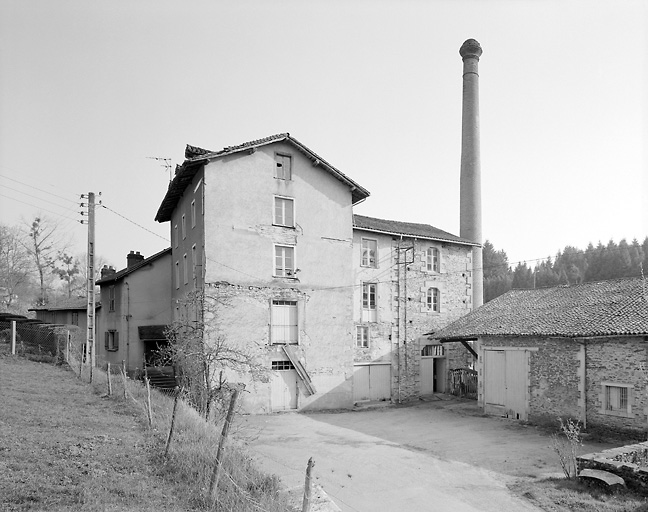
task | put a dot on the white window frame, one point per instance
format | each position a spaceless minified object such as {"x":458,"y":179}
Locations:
{"x":362,"y":336}
{"x":175,"y":236}
{"x":365,"y":253}
{"x":433,"y":299}
{"x":433,"y":259}
{"x":280,"y":161}
{"x":369,"y":306}
{"x":111,"y":343}
{"x":282,"y":219}
{"x":280,"y":253}
{"x":608,"y":408}
{"x":111,"y":298}
{"x":193,"y":261}
{"x":284,"y":333}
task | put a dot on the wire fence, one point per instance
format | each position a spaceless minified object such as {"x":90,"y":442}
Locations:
{"x":189,"y":453}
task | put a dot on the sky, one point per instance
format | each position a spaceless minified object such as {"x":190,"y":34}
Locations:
{"x":91,"y":91}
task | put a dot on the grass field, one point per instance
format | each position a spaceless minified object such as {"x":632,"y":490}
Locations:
{"x":64,"y":446}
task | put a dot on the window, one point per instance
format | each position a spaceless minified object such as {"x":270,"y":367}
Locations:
{"x":75,"y":318}
{"x":282,"y":365}
{"x":617,"y":399}
{"x":177,"y":275}
{"x":284,"y":322}
{"x":432,"y":350}
{"x":369,"y":302}
{"x":284,"y":261}
{"x":284,"y":212}
{"x":194,"y":260}
{"x":362,"y":336}
{"x":175,"y":236}
{"x":184,"y":227}
{"x":433,"y":299}
{"x":283,"y":167}
{"x":369,"y":253}
{"x":185,"y":268}
{"x":432,"y":259}
{"x":111,"y":298}
{"x":193,"y":213}
{"x":111,"y":341}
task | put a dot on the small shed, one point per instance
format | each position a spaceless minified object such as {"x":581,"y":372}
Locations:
{"x":576,"y":351}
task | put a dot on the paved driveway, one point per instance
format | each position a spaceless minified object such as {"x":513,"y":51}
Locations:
{"x":432,"y":456}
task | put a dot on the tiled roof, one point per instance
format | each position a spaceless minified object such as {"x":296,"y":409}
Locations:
{"x":65,"y":304}
{"x":603,"y":308}
{"x":129,"y":270}
{"x":393,"y":227}
{"x":195,"y":157}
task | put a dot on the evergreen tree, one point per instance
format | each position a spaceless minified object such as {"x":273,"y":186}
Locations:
{"x":497,"y":272}
{"x":522,"y":277}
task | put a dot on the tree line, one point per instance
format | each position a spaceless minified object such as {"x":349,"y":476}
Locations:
{"x":569,"y":266}
{"x":37,"y":267}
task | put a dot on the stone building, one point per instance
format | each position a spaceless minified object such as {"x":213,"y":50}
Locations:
{"x":265,"y":231}
{"x":571,"y":352}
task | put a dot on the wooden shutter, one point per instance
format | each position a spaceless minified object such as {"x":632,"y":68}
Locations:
{"x":116,"y":341}
{"x":107,"y":340}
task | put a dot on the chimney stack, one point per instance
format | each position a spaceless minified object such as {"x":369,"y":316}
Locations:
{"x":133,"y":258}
{"x":470,"y":202}
{"x":107,"y":271}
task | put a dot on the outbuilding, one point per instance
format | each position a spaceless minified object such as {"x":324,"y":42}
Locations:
{"x":574,"y":351}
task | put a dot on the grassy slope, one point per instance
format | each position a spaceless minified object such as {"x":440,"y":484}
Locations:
{"x":65,"y":447}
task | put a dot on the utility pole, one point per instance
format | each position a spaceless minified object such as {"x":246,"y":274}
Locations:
{"x":90,"y":356}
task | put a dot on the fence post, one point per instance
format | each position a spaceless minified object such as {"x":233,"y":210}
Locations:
{"x":123,"y":374}
{"x":109,"y":381}
{"x":13,"y":337}
{"x":216,"y":473}
{"x":307,"y":486}
{"x":67,"y":347}
{"x":173,"y":416}
{"x":148,"y":402}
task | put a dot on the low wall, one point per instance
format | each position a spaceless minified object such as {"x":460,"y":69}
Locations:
{"x":630,"y":462}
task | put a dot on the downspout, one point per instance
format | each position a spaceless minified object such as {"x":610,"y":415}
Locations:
{"x":582,"y":384}
{"x":127,"y":325}
{"x":398,"y":324}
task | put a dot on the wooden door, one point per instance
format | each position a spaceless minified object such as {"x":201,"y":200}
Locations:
{"x":516,"y":384}
{"x":371,"y":382}
{"x":427,"y":375}
{"x":494,"y":377}
{"x":360,"y":383}
{"x":283,"y":387}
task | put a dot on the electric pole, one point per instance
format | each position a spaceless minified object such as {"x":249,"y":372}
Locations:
{"x":90,"y":347}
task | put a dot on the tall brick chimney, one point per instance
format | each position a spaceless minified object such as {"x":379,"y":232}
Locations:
{"x":470,"y":221}
{"x":133,"y":258}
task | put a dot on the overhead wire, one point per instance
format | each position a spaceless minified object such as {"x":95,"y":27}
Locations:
{"x":36,"y":188}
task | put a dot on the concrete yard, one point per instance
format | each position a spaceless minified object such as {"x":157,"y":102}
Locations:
{"x":432,"y":455}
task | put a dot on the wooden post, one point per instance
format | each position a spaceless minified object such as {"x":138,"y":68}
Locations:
{"x":148,"y":402}
{"x":13,"y":337}
{"x":109,"y":381}
{"x":173,"y":417}
{"x":307,"y":486}
{"x":123,"y":374}
{"x":219,"y":453}
{"x":67,"y":348}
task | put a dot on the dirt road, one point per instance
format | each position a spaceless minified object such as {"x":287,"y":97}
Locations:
{"x":437,"y":455}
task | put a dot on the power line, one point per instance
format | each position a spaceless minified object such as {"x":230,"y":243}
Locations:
{"x":133,"y":222}
{"x":36,"y":188}
{"x":35,"y":197}
{"x":38,"y":207}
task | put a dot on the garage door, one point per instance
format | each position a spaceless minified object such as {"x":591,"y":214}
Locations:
{"x":371,"y":382}
{"x":506,"y":383}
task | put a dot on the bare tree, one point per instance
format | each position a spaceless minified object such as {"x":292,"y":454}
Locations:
{"x":44,"y":245}
{"x":15,"y":266}
{"x":203,"y":355}
{"x":69,"y":271}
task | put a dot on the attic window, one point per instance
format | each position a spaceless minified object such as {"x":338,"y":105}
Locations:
{"x":283,"y":167}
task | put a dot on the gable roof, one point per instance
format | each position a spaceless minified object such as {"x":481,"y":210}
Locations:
{"x":411,"y":229}
{"x":195,"y":157}
{"x":111,"y":278}
{"x":77,"y":303}
{"x":603,"y":308}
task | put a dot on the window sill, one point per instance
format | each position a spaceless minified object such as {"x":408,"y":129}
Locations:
{"x":283,"y":226}
{"x":112,"y":350}
{"x":619,"y":414}
{"x":368,"y":266}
